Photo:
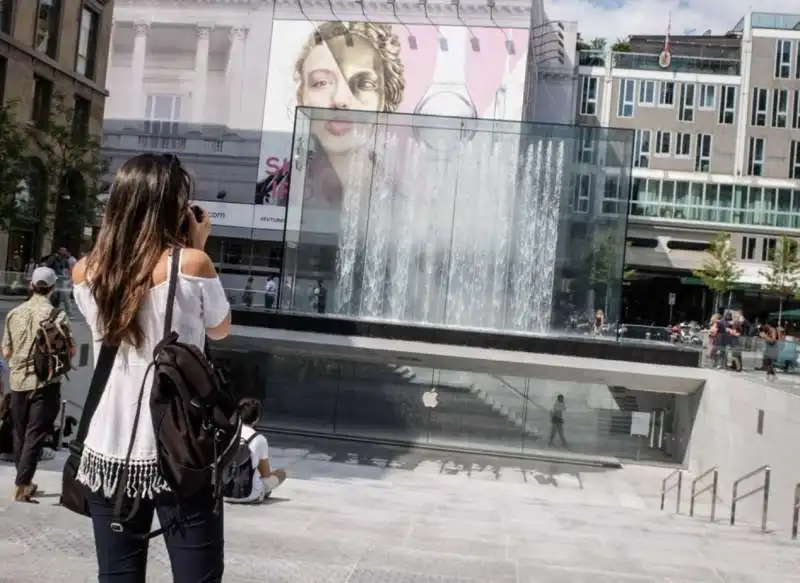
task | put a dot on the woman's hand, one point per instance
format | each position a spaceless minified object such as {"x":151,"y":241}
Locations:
{"x":199,"y":231}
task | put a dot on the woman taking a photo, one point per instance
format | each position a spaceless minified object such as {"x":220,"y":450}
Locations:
{"x":121,"y":289}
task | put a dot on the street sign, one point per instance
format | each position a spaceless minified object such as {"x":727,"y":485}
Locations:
{"x":671,"y":299}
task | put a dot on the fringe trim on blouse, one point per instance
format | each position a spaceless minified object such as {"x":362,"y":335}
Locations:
{"x":100,"y":473}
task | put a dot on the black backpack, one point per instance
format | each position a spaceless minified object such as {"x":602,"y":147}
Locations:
{"x":237,"y":478}
{"x":195,"y":418}
{"x":50,"y":352}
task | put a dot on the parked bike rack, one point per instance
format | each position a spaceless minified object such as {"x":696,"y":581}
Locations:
{"x":712,"y":487}
{"x":678,"y":485}
{"x":763,"y":488}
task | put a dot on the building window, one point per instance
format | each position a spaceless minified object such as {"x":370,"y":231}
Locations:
{"x":611,"y":197}
{"x":683,"y":145}
{"x":3,"y":73}
{"x":162,"y":114}
{"x":642,"y":149}
{"x":627,"y":92}
{"x":794,"y":161}
{"x":48,"y":18}
{"x":783,"y":59}
{"x":708,"y":97}
{"x":6,"y":16}
{"x":87,"y":43}
{"x":702,"y":153}
{"x":666,"y":93}
{"x":589,"y":96}
{"x":748,"y":247}
{"x":758,"y":110}
{"x":583,"y":193}
{"x":768,"y":248}
{"x":42,"y":101}
{"x":727,"y":105}
{"x":755,"y":157}
{"x":686,"y":112}
{"x":796,"y":109}
{"x":780,"y":108}
{"x":663,"y":143}
{"x":81,"y":114}
{"x":647,"y":93}
{"x":587,"y":151}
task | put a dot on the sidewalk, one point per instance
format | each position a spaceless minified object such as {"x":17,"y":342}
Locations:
{"x":377,"y":515}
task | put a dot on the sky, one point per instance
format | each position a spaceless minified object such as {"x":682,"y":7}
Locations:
{"x":614,"y":19}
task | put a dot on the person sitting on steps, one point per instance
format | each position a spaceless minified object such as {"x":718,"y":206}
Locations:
{"x":265,"y":480}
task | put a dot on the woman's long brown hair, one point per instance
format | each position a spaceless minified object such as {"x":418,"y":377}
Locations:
{"x":143,"y":217}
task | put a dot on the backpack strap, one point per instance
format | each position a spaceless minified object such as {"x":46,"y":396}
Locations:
{"x":251,"y":438}
{"x":105,"y":362}
{"x":175,"y":267}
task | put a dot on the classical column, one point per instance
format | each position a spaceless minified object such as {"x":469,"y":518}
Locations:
{"x":137,"y":104}
{"x":200,"y":82}
{"x":234,"y":74}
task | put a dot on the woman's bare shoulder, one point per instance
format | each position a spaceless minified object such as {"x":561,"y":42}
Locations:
{"x":79,"y":271}
{"x":197,"y":263}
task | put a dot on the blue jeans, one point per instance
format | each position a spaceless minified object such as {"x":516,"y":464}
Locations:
{"x":196,"y":555}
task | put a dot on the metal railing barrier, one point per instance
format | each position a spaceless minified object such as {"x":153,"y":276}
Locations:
{"x":735,"y":497}
{"x":713,"y":487}
{"x":677,"y":485}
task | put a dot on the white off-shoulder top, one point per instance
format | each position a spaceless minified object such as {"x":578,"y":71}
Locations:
{"x":200,"y":303}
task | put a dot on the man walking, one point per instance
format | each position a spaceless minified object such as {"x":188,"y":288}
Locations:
{"x":37,"y":344}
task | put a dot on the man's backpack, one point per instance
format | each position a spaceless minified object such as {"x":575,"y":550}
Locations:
{"x":195,"y":418}
{"x":237,"y":478}
{"x":50,"y":352}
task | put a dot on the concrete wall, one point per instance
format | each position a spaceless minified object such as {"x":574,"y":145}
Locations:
{"x":725,"y":433}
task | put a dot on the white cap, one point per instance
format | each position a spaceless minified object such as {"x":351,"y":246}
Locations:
{"x":44,"y":275}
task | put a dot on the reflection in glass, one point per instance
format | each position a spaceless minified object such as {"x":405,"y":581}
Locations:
{"x":468,"y":227}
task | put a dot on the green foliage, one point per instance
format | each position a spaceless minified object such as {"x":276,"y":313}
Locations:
{"x":604,"y":263}
{"x":783,"y":275}
{"x":598,"y":44}
{"x":622,"y":45}
{"x":14,"y":166}
{"x":719,"y":271}
{"x":74,"y":167}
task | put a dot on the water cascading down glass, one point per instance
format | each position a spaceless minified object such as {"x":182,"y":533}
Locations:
{"x":458,"y":234}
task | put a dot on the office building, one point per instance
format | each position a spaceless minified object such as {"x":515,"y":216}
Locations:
{"x":50,"y":47}
{"x":716,"y":120}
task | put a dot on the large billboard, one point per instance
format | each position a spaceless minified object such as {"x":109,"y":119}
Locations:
{"x":431,"y":70}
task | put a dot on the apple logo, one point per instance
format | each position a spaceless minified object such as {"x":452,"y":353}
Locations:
{"x":430,"y":399}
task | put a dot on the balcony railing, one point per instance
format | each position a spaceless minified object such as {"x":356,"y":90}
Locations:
{"x":133,"y":137}
{"x":649,"y":62}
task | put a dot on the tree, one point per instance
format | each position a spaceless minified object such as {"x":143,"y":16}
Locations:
{"x":605,"y":265}
{"x":622,"y":45}
{"x":719,"y":271}
{"x":582,"y":45}
{"x":598,"y":44}
{"x":14,"y":166}
{"x":74,"y":167}
{"x":783,"y":275}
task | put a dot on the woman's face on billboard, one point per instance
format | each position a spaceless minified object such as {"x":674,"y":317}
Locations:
{"x":339,"y":75}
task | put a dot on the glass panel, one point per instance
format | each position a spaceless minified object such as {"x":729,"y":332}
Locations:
{"x":725,"y":203}
{"x":453,"y":408}
{"x":419,"y":230}
{"x":681,"y":199}
{"x":769,"y":205}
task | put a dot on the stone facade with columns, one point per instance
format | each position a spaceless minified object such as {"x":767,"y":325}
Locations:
{"x":190,"y":77}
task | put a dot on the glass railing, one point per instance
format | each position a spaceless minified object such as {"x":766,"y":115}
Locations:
{"x":650,"y":62}
{"x":776,"y":21}
{"x":446,"y":408}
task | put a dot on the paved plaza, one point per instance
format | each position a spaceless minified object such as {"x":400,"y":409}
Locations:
{"x":375,"y":515}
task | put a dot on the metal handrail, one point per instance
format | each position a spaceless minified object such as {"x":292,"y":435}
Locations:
{"x":678,"y":485}
{"x":712,"y":487}
{"x":763,"y":488}
{"x":796,"y":511}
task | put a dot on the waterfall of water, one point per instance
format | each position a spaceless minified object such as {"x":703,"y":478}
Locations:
{"x":466,"y":239}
